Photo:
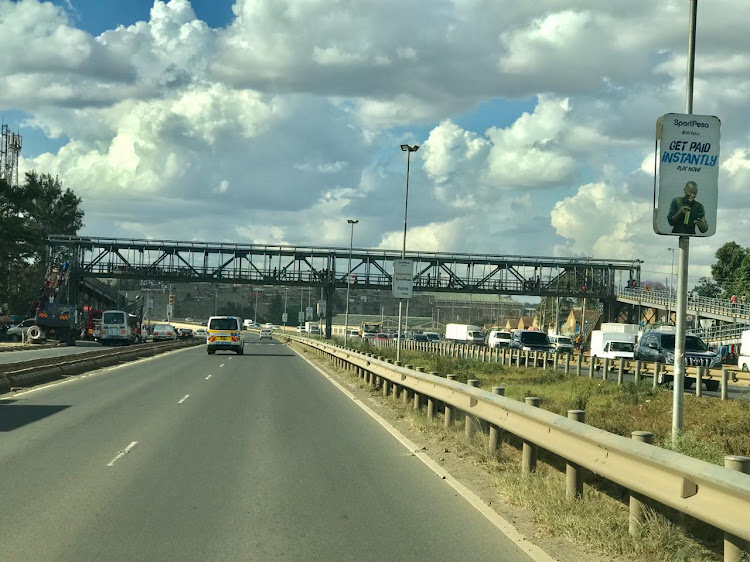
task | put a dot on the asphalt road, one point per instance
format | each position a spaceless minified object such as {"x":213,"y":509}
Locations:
{"x":187,"y":456}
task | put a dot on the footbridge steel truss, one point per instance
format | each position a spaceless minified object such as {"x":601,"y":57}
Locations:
{"x":181,"y":261}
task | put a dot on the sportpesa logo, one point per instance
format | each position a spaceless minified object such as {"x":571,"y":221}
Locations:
{"x":693,"y":123}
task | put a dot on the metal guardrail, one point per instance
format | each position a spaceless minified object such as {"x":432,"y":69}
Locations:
{"x":716,"y":495}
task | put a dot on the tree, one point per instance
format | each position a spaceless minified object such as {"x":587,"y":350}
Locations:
{"x":707,"y":288}
{"x":28,"y":215}
{"x":727,"y":271}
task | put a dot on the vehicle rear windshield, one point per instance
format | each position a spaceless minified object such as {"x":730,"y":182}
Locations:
{"x":113,"y":318}
{"x":564,"y":341}
{"x":476,"y":335}
{"x":162,"y":327}
{"x":692,"y":343}
{"x":502,"y":336}
{"x":223,"y":324}
{"x":621,"y":346}
{"x":535,"y":338}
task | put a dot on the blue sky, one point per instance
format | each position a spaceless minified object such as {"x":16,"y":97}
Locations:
{"x":96,"y":16}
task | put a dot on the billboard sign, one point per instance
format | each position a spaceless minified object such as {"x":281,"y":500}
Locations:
{"x":403,"y":279}
{"x":686,"y":177}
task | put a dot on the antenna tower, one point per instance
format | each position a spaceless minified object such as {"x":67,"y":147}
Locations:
{"x":10,"y":150}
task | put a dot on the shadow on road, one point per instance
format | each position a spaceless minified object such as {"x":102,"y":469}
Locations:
{"x":13,"y":416}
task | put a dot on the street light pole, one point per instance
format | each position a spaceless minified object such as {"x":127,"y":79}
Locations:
{"x":348,"y":280}
{"x":408,"y":149}
{"x":671,"y":285}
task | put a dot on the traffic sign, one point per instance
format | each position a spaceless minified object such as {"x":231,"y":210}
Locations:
{"x":309,"y":313}
{"x":403,"y":279}
{"x":301,"y":316}
{"x":321,"y":308}
{"x":284,"y":317}
{"x":687,"y":176}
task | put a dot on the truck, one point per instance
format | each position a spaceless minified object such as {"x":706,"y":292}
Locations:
{"x":369,"y":329}
{"x":743,"y":361}
{"x":54,"y":321}
{"x":312,"y":328}
{"x":464,"y":333}
{"x":616,"y":327}
{"x":612,"y":345}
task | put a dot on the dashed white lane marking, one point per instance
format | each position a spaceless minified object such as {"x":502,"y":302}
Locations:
{"x":184,"y":398}
{"x":208,"y":377}
{"x":122,"y":453}
{"x":502,"y":524}
{"x":221,"y":365}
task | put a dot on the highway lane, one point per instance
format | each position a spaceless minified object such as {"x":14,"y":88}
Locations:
{"x":224,"y":457}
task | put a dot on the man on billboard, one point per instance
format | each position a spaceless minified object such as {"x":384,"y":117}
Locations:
{"x":685,"y":213}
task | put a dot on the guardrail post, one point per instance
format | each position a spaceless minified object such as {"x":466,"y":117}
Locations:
{"x":567,"y":363}
{"x":620,"y":371}
{"x":724,"y":383}
{"x":528,"y":458}
{"x":605,"y":368}
{"x":495,"y":438}
{"x":536,"y":358}
{"x":526,"y":359}
{"x":592,"y":365}
{"x":386,"y":388}
{"x":657,"y":370}
{"x":699,"y":381}
{"x":448,"y":407}
{"x":637,"y":515}
{"x":579,"y":362}
{"x":431,"y":402}
{"x":502,"y":358}
{"x":469,"y":420}
{"x":637,"y":372}
{"x":573,"y":472}
{"x":417,"y":395}
{"x":733,"y":546}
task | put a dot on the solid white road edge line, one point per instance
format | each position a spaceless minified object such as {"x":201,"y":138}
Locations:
{"x":122,"y":453}
{"x":91,"y":373}
{"x":184,"y":398}
{"x":491,"y":515}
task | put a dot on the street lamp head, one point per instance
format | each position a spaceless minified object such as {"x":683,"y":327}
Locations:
{"x":352,"y":221}
{"x":406,"y":147}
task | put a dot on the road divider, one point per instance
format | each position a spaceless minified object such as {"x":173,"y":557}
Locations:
{"x":38,"y":371}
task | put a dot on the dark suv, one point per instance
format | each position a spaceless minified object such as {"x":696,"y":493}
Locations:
{"x":658,"y":347}
{"x":530,"y":340}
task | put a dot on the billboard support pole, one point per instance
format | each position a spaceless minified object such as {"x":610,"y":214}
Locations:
{"x":684,"y":252}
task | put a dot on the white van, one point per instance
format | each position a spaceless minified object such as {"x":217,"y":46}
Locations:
{"x":499,"y":338}
{"x":119,"y":327}
{"x":225,"y":333}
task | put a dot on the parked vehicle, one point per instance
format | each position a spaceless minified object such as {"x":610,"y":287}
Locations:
{"x":612,"y":345}
{"x":18,"y":332}
{"x":312,"y":328}
{"x":464,"y":333}
{"x":225,"y":333}
{"x":657,"y":346}
{"x":164,"y":332}
{"x":562,"y":344}
{"x":55,"y":321}
{"x":499,"y":338}
{"x":743,"y":361}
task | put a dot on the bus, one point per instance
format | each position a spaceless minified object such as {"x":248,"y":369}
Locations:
{"x":119,"y":327}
